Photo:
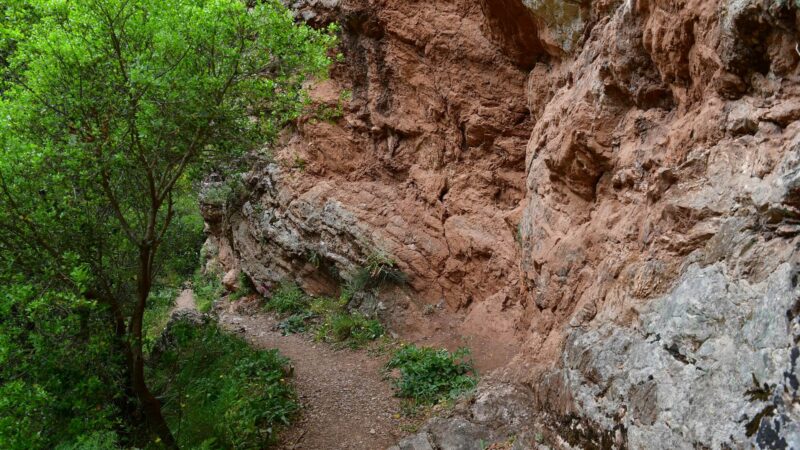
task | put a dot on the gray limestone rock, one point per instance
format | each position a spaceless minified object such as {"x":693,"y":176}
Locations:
{"x":690,"y":374}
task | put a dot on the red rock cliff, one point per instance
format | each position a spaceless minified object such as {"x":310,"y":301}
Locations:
{"x":603,"y":195}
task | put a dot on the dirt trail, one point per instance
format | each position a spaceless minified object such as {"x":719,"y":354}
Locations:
{"x":346,"y":403}
{"x":184,"y":301}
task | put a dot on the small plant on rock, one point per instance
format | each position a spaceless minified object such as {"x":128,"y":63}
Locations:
{"x":244,"y":288}
{"x":231,"y":191}
{"x":379,"y":268}
{"x":299,"y":163}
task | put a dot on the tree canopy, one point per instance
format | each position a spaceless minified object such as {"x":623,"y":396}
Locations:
{"x":109,"y":110}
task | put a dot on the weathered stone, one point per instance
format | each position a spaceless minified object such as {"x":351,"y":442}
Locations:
{"x":699,"y":350}
{"x":419,"y":441}
{"x":231,"y":280}
{"x":742,"y":119}
{"x":502,"y":405}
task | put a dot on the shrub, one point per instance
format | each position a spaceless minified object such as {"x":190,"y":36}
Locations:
{"x":180,"y":251}
{"x":230,"y":192}
{"x":98,"y":440}
{"x":288,"y":299}
{"x":353,"y":329}
{"x":326,"y":306}
{"x":329,"y":113}
{"x":330,"y":317}
{"x":217,"y":389}
{"x":296,"y":323}
{"x":378,"y":269}
{"x":59,"y":369}
{"x":207,"y":288}
{"x":428,"y":375}
{"x":156,"y":315}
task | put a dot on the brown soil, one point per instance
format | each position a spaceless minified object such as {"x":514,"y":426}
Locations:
{"x":346,"y":402}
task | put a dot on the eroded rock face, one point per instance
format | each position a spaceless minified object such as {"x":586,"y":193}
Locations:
{"x":702,"y":367}
{"x":426,"y":164}
{"x":608,"y":191}
{"x":649,"y":240}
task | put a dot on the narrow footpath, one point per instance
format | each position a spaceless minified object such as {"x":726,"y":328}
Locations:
{"x":346,"y":402}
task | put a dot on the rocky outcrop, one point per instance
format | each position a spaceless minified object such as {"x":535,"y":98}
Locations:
{"x":420,"y":155}
{"x":604,"y":195}
{"x":651,"y":273}
{"x":498,"y":417}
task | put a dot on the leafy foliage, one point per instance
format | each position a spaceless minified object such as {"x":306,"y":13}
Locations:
{"x":57,"y":380}
{"x":231,"y":191}
{"x":207,"y":289}
{"x":352,"y":329}
{"x":296,"y":323}
{"x":428,"y":375}
{"x":98,"y":440}
{"x":219,"y":391}
{"x":157,"y":314}
{"x":330,"y":113}
{"x":329,"y":317}
{"x":244,"y":287}
{"x":110,"y":111}
{"x":379,"y":268}
{"x":288,"y":298}
{"x":17,"y":18}
{"x":180,"y":251}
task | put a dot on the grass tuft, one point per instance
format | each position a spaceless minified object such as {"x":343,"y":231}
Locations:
{"x":352,"y":329}
{"x":245,"y":287}
{"x":296,"y":323}
{"x":156,"y":315}
{"x":378,"y":269}
{"x":288,"y":299}
{"x":328,"y":317}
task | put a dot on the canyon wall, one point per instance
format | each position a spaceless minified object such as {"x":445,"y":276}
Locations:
{"x":602,"y":198}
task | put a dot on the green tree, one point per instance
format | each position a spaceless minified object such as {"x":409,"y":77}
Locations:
{"x":108,"y":108}
{"x":59,"y":373}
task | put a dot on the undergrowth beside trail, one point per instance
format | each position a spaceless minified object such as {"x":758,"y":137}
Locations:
{"x":426,"y":375}
{"x":207,"y":288}
{"x":330,"y":318}
{"x":327,"y":317}
{"x":219,"y":392}
{"x":157,"y":314}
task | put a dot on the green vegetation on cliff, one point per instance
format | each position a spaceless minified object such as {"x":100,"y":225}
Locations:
{"x":328,"y":317}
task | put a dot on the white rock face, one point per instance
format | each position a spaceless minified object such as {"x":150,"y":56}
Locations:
{"x":691,"y":372}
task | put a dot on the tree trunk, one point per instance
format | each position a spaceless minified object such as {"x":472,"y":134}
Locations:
{"x":150,"y":404}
